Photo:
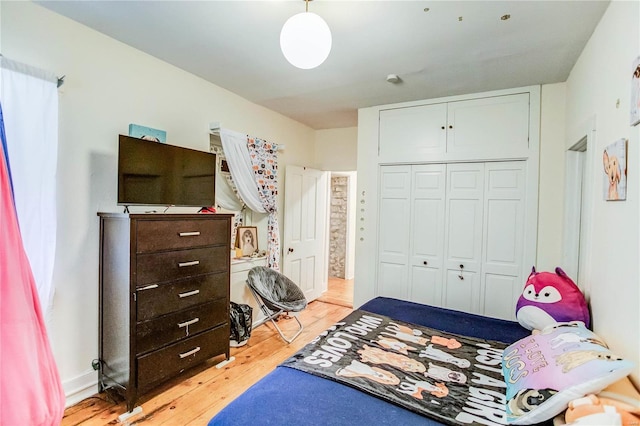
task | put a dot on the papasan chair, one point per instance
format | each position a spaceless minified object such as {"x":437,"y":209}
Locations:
{"x":276,"y":294}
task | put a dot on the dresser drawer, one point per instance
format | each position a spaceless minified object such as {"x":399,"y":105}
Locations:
{"x":167,"y":362}
{"x":158,"y":332}
{"x":158,"y":235}
{"x":172,"y":265}
{"x":178,"y":295}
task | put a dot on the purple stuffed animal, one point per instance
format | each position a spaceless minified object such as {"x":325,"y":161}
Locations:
{"x":548,"y":298}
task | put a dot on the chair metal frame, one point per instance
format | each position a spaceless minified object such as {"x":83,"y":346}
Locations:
{"x":272,"y":314}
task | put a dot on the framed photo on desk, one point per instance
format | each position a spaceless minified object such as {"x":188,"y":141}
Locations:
{"x":247,"y":240}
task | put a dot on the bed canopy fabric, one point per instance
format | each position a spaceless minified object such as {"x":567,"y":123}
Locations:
{"x":253,"y":166}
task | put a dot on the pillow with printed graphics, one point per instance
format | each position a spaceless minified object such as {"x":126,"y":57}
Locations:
{"x":564,"y":361}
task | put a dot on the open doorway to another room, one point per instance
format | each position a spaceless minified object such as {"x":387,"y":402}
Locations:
{"x":577,"y":208}
{"x":342,"y":230}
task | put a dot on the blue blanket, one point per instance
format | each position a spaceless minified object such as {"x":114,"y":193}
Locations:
{"x":292,"y":397}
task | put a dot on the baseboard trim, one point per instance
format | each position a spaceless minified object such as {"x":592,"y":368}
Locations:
{"x":79,"y":388}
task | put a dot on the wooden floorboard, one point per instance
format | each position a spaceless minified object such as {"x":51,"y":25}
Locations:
{"x":195,"y":397}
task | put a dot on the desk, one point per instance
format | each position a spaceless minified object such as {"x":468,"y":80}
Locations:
{"x":240,"y":292}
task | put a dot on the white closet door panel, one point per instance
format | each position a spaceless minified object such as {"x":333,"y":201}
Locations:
{"x":412,"y":133}
{"x":429,"y":181}
{"x":462,"y":294}
{"x":394,"y":231}
{"x":392,"y":279}
{"x":395,"y":182}
{"x":427,"y":214}
{"x":496,"y":126}
{"x":395,"y":190}
{"x":502,"y":269}
{"x":464,"y":213}
{"x":498,"y":290}
{"x":426,"y":285}
{"x":427,"y":235}
{"x":503,"y":240}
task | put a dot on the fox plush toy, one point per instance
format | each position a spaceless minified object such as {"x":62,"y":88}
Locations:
{"x":549,"y":298}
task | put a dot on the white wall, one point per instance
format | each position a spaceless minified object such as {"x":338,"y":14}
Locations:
{"x":336,"y":149}
{"x":109,"y":85}
{"x":551,"y":180}
{"x":601,"y":77}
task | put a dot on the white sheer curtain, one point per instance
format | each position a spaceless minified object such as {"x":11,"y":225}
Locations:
{"x":234,"y":145}
{"x":236,"y":150}
{"x":30,"y":104}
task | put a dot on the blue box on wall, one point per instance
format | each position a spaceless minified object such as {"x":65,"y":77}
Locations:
{"x":142,"y":132}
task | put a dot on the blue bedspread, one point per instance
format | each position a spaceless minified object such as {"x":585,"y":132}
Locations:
{"x":291,"y":397}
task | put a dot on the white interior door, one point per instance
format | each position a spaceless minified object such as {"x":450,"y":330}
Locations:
{"x":305,"y":255}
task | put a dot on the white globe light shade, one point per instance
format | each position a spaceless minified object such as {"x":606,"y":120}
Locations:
{"x":305,"y":40}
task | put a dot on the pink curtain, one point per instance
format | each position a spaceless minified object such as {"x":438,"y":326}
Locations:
{"x":30,"y":388}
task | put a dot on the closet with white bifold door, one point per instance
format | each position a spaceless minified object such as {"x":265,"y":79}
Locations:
{"x":458,"y":231}
{"x":451,"y":235}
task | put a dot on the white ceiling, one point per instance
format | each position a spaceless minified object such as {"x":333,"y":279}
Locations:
{"x":235,"y":45}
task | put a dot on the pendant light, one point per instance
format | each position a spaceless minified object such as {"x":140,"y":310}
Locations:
{"x":305,"y":39}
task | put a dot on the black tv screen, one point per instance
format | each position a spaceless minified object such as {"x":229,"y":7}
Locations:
{"x":154,"y":173}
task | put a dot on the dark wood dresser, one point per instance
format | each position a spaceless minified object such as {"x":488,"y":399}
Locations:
{"x":164,"y":297}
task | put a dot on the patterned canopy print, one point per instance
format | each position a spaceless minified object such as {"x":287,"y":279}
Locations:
{"x":264,"y":160}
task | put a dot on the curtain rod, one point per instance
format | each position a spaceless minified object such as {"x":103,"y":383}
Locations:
{"x":215,"y":127}
{"x":31,"y":70}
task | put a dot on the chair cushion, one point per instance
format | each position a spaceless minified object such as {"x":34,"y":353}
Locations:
{"x":276,"y":290}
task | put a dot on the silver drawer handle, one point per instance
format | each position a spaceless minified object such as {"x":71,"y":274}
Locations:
{"x":192,"y":263}
{"x":189,"y":293}
{"x":149,"y":287}
{"x":189,"y":234}
{"x":188,"y":323}
{"x":191,"y":352}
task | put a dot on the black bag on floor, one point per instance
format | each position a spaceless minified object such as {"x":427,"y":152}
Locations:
{"x":241,"y":318}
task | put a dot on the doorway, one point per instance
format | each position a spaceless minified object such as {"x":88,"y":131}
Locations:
{"x":342,"y":230}
{"x":577,"y":201}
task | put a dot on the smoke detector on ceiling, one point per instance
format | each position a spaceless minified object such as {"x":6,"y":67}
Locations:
{"x":393,"y":78}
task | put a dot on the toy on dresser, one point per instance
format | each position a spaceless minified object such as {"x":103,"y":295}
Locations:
{"x":549,"y":298}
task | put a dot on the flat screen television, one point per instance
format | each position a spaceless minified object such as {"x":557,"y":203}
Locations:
{"x":154,"y":173}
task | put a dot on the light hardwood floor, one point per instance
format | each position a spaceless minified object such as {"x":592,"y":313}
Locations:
{"x":194,"y":398}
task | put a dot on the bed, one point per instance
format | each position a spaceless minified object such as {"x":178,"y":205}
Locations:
{"x":288,"y":396}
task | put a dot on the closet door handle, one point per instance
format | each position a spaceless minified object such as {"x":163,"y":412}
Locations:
{"x":191,"y":352}
{"x":188,"y":293}
{"x":425,"y":263}
{"x":192,"y":263}
{"x":450,"y":126}
{"x":189,"y":234}
{"x":461,"y":268}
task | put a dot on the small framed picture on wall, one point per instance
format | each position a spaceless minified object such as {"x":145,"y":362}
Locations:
{"x":247,"y":240}
{"x":614,"y":162}
{"x":635,"y":92}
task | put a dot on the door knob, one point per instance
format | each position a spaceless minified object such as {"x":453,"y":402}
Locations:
{"x":425,"y":263}
{"x":461,"y":268}
{"x":290,"y":250}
